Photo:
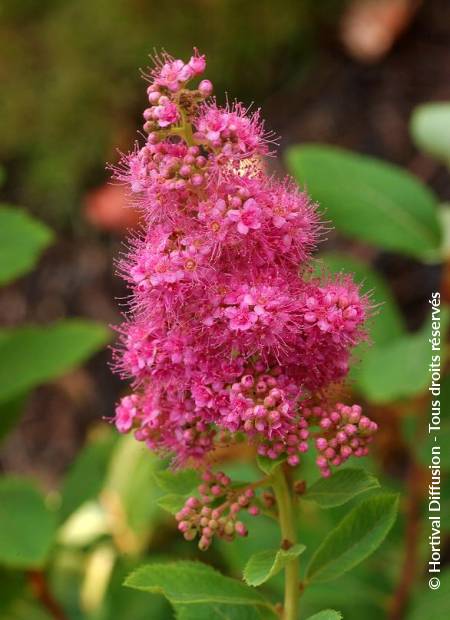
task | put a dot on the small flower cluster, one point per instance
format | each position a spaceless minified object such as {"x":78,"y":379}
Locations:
{"x":216,"y":512}
{"x":344,"y":432}
{"x":231,"y":133}
{"x":228,"y":332}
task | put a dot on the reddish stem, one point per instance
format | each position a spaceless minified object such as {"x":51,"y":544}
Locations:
{"x":41,"y":590}
{"x":412,"y":537}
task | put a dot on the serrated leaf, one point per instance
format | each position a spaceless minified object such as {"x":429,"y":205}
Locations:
{"x":265,"y":564}
{"x":188,"y":583}
{"x":180,"y":482}
{"x":355,"y":538}
{"x":222,"y":612}
{"x":340,"y":488}
{"x":22,"y":239}
{"x":268,"y":466}
{"x":399,"y":369}
{"x":430,"y":129}
{"x":27,"y":527}
{"x":125,"y":604}
{"x":387,"y":322}
{"x":172,"y":503}
{"x":368,"y":199}
{"x":327,"y":614}
{"x":30,"y":356}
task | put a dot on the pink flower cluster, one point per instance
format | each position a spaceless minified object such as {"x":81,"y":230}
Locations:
{"x":227,"y":332}
{"x":216,"y":512}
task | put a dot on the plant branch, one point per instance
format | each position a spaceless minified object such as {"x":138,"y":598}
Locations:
{"x":41,"y":590}
{"x":289,"y":537}
{"x":412,"y":537}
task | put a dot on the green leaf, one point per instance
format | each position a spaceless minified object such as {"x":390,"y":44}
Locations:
{"x":126,"y":604}
{"x":265,"y":564}
{"x":222,"y":612}
{"x":432,"y":604}
{"x":131,"y":489}
{"x":430,"y":129}
{"x":341,"y":487}
{"x":30,"y":356}
{"x":27,"y":527}
{"x":86,"y":476}
{"x":370,"y":200}
{"x":12,"y":586}
{"x":181,"y":482}
{"x":172,"y":503}
{"x":399,"y":369}
{"x":10,"y":413}
{"x":355,"y":538}
{"x":444,"y":219}
{"x":387,"y":322}
{"x":188,"y":583}
{"x":22,"y":240}
{"x":268,"y":466}
{"x":327,"y":614}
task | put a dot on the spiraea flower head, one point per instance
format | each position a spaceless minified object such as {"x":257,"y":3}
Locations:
{"x":228,"y":334}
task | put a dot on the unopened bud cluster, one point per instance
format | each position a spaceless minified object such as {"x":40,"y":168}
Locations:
{"x":215,"y":512}
{"x":344,"y":432}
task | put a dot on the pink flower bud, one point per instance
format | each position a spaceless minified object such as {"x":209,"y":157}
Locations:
{"x":240,"y":528}
{"x":205,"y":88}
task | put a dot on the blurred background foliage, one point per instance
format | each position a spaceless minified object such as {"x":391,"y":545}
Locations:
{"x":79,"y":506}
{"x":73,"y":89}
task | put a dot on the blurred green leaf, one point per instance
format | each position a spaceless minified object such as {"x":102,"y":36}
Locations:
{"x":340,"y":488}
{"x":400,"y":369}
{"x":27,"y":527}
{"x":22,"y":240}
{"x":265,"y":564}
{"x":26,"y":609}
{"x":187,"y":583}
{"x":10,"y":412}
{"x":444,"y":218}
{"x":87,"y":474}
{"x":430,"y":129}
{"x":85,"y":525}
{"x":369,"y":199}
{"x":181,"y":482}
{"x":172,"y":503}
{"x":432,"y":604}
{"x":327,"y":614}
{"x":131,"y":492}
{"x":30,"y":356}
{"x":354,"y":539}
{"x":387,"y":322}
{"x":12,"y":585}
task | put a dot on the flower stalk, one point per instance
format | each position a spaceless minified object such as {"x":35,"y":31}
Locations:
{"x":289,"y":538}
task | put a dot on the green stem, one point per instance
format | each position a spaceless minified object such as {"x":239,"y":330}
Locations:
{"x":289,"y":537}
